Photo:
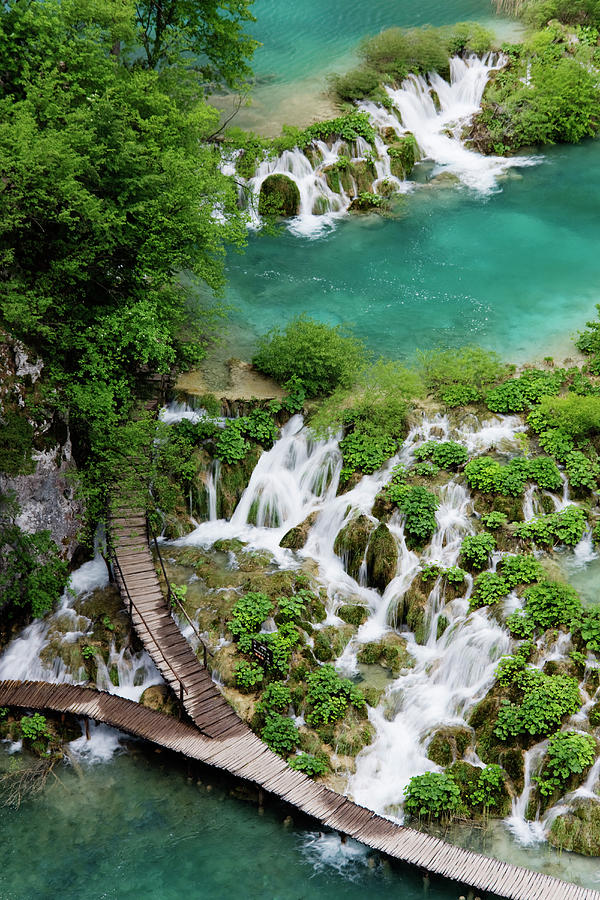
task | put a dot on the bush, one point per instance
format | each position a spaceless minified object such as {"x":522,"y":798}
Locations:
{"x":321,"y":356}
{"x":34,"y":728}
{"x":476,"y":549}
{"x":310,"y":765}
{"x":579,"y":417}
{"x":565,"y":526}
{"x":488,"y":588}
{"x":434,"y":794}
{"x":588,"y":341}
{"x":546,"y":699}
{"x":569,"y":753}
{"x":259,"y":426}
{"x":489,"y":786}
{"x":518,"y":393}
{"x":231,"y":446}
{"x":277,"y":698}
{"x":494,"y":520}
{"x":487,"y":475}
{"x":248,"y":676}
{"x":280,"y":734}
{"x":249,"y":613}
{"x":419,"y":506}
{"x":460,"y":376}
{"x":356,"y":84}
{"x":588,"y":623}
{"x":523,"y":568}
{"x":582,"y":473}
{"x":366,"y":453}
{"x":550,"y":603}
{"x":445,"y":454}
{"x":329,"y":696}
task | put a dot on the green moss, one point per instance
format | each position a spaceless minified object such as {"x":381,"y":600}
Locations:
{"x":351,"y":543}
{"x":233,"y":481}
{"x":322,"y":647}
{"x":16,"y":443}
{"x":579,"y":829}
{"x":295,"y":538}
{"x":279,"y":196}
{"x":353,"y":615}
{"x":382,"y":558}
{"x":449,"y":744}
{"x":403,"y":156}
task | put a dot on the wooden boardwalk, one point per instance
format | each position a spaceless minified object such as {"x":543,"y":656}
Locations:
{"x":244,"y":755}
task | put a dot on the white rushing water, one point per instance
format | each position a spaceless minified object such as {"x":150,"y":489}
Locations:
{"x":435,"y":111}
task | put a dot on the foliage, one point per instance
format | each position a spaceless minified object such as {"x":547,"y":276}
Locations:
{"x":488,"y":787}
{"x":419,"y":506}
{"x":434,"y":794}
{"x":259,"y":426}
{"x":582,"y":473}
{"x":322,"y":357}
{"x":546,"y":699}
{"x":522,"y":568}
{"x":276,"y":698}
{"x":349,"y":127}
{"x":248,"y":676}
{"x":488,"y":588}
{"x":511,"y":667}
{"x":569,"y":753}
{"x":460,"y":376}
{"x":550,"y":603}
{"x":355,"y":84}
{"x":518,"y":393}
{"x":565,"y":526}
{"x":249,"y":613}
{"x":280,"y":734}
{"x":455,"y":575}
{"x":588,"y":341}
{"x":32,"y":573}
{"x":102,"y":168}
{"x":488,"y":475}
{"x":34,"y":727}
{"x":364,"y":452}
{"x":88,"y":652}
{"x":291,"y":609}
{"x":425,"y":470}
{"x":579,"y":417}
{"x":445,"y":454}
{"x":310,"y":765}
{"x":476,"y":549}
{"x":295,"y":396}
{"x":588,"y":622}
{"x":282,"y":643}
{"x":328,"y":696}
{"x":230,"y":446}
{"x":494,"y":520}
{"x":16,"y":443}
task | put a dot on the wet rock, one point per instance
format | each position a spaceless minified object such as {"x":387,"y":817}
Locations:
{"x":279,"y":196}
{"x":449,"y":743}
{"x":403,"y":155}
{"x":594,"y":715}
{"x":296,"y":537}
{"x":233,"y":481}
{"x":224,"y":663}
{"x":391,"y":653}
{"x":351,"y":544}
{"x":382,"y":558}
{"x":579,"y":829}
{"x":353,"y":614}
{"x":411,"y":610}
{"x":159,"y":698}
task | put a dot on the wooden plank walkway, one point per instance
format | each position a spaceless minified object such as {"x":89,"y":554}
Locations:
{"x":244,"y":755}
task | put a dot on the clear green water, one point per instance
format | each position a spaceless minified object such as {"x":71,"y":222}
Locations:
{"x":135,"y":827}
{"x":518,"y":272}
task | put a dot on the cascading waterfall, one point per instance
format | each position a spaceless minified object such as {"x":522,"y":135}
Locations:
{"x":435,"y":111}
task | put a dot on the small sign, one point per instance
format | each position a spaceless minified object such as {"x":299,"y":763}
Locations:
{"x":262,"y":652}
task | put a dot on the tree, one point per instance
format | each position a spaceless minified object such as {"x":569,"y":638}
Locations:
{"x":209,"y":31}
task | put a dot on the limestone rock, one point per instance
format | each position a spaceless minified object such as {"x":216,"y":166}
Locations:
{"x":279,"y":195}
{"x":296,"y":537}
{"x":351,"y":543}
{"x":382,"y":558}
{"x":579,"y":829}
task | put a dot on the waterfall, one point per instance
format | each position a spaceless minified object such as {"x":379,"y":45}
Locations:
{"x":212,"y":482}
{"x":527,"y":833}
{"x":435,"y":111}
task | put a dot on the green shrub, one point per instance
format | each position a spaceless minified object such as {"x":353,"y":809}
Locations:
{"x":494,"y":520}
{"x":523,"y":568}
{"x":546,"y":699}
{"x":419,"y":506}
{"x":556,"y":442}
{"x":366,"y":453}
{"x":511,"y":667}
{"x":518,"y":393}
{"x":550,"y":603}
{"x":434,"y":794}
{"x":445,"y":454}
{"x":520,"y":625}
{"x":476,"y":549}
{"x":231,"y":446}
{"x":579,"y":417}
{"x":276,"y":698}
{"x":281,"y":644}
{"x":356,"y":84}
{"x":249,"y":613}
{"x":248,"y":676}
{"x":588,"y":341}
{"x":565,"y":526}
{"x":569,"y":753}
{"x":322,"y":357}
{"x":260,"y":427}
{"x":487,"y":475}
{"x":582,"y":473}
{"x":488,"y":588}
{"x":329,"y":696}
{"x":34,"y":728}
{"x":280,"y":734}
{"x":310,"y":765}
{"x":292,"y":609}
{"x":349,"y":127}
{"x":425,"y":470}
{"x":455,"y":575}
{"x":460,"y":376}
{"x":16,"y":443}
{"x":588,"y":622}
{"x":488,"y":789}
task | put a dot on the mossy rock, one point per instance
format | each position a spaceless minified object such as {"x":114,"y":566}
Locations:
{"x":579,"y":829}
{"x":296,"y":537}
{"x":230,"y":545}
{"x":382,"y":507}
{"x":337,"y":637}
{"x":391,"y":652}
{"x":159,"y":698}
{"x":411,"y":610}
{"x":351,"y":543}
{"x":353,"y":614}
{"x":352,"y":734}
{"x":364,"y":175}
{"x":372,"y":695}
{"x":382,"y":558}
{"x":449,"y":743}
{"x":233,"y":481}
{"x":279,"y":196}
{"x":403,"y":155}
{"x":224,"y":662}
{"x":594,"y":715}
